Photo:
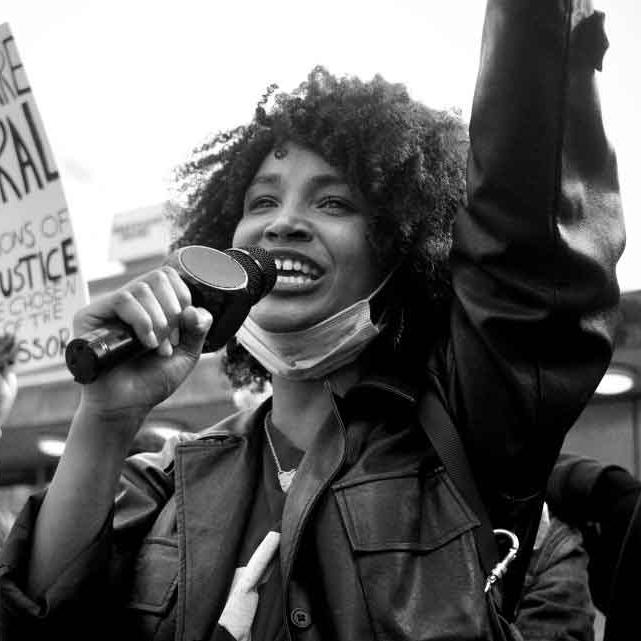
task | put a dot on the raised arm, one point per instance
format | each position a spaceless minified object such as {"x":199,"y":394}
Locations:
{"x":535,"y":252}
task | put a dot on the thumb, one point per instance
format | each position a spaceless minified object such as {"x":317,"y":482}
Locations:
{"x":194,"y":325}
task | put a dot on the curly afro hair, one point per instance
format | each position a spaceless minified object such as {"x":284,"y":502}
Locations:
{"x":407,"y":160}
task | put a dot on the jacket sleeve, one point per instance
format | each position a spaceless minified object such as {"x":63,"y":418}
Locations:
{"x":535,"y":250}
{"x":90,"y":586}
{"x":571,"y":489}
{"x":602,"y":500}
{"x":556,"y":602}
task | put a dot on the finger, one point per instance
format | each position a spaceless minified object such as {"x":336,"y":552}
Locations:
{"x":194,"y":325}
{"x":144,"y":294}
{"x":9,"y":382}
{"x":165,"y":348}
{"x":8,"y":391}
{"x":163,"y":289}
{"x":118,"y":305}
{"x":131,"y":312}
{"x":180,"y":288}
{"x":173,"y":295}
{"x":184,"y":299}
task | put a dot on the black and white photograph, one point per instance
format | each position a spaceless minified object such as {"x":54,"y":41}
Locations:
{"x":320,"y":322}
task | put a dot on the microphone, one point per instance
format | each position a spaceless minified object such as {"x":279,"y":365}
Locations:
{"x":225,"y":283}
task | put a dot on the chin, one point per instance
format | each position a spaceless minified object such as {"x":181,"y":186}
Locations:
{"x":280,"y":317}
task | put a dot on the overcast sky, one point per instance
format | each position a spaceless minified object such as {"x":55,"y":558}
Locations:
{"x":126,"y":88}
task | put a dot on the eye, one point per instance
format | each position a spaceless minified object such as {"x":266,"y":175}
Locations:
{"x":335,"y":204}
{"x":260,"y":203}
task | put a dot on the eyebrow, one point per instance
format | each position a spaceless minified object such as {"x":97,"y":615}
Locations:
{"x":265,"y":179}
{"x":327,"y":180}
{"x":316,"y":182}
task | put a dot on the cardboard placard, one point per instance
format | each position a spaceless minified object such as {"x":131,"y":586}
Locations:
{"x":41,"y":284}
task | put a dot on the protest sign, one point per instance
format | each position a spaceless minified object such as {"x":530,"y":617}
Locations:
{"x":40,"y":279}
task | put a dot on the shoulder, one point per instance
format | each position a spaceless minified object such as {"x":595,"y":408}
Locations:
{"x":240,"y":424}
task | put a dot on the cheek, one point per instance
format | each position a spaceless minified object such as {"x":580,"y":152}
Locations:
{"x":359,"y":252}
{"x":246,"y":232}
{"x":372,"y":272}
{"x":360,"y":270}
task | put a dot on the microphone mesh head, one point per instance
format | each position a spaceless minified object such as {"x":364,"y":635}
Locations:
{"x":260,"y":268}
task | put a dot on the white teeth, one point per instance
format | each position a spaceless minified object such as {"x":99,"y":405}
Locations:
{"x":294,"y":280}
{"x":295,"y":265}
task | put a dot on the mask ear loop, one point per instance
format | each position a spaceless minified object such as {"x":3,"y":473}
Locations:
{"x":379,"y":299}
{"x":384,"y":311}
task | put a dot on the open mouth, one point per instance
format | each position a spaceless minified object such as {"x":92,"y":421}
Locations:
{"x":296,"y":271}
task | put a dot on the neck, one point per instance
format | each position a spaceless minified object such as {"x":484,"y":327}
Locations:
{"x":299,"y":408}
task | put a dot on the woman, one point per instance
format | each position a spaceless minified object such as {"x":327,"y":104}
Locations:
{"x":326,"y":513}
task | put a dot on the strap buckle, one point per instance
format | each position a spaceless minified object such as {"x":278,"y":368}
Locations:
{"x":501,"y":567}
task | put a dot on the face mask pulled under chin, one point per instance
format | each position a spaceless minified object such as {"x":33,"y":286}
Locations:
{"x":315,"y":352}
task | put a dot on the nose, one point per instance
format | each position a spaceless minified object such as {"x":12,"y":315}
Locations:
{"x":288,"y":224}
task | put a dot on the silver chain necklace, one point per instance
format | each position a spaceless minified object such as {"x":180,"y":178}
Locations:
{"x":285,"y":477}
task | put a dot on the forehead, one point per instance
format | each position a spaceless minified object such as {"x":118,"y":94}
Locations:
{"x":292,"y":162}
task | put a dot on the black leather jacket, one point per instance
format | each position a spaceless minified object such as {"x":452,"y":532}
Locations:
{"x":376,"y":542}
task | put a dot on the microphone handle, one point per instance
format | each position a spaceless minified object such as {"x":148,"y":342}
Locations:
{"x":101,"y":349}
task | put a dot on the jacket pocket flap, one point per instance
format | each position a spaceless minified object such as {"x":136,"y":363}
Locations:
{"x":408,"y":512}
{"x":155,"y":576}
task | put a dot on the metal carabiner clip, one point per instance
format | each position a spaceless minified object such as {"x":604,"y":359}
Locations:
{"x":501,"y":567}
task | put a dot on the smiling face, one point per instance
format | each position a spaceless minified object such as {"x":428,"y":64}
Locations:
{"x":299,"y":208}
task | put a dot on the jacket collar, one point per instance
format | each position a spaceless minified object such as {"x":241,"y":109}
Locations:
{"x":385,"y":371}
{"x":403,"y":390}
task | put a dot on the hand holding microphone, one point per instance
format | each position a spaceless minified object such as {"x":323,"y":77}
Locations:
{"x":144,"y":315}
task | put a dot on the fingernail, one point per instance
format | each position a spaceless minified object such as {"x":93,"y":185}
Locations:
{"x":204,"y":317}
{"x":151,"y":340}
{"x":165,"y":348}
{"x":174,"y":336}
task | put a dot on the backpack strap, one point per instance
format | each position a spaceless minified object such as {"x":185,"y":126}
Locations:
{"x":446,"y":440}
